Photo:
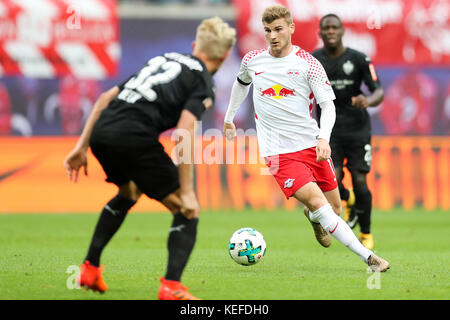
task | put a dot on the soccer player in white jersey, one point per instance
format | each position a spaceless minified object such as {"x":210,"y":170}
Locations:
{"x":286,"y":80}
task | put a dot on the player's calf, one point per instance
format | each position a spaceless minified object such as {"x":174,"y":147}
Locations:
{"x":321,"y":235}
{"x":363,"y":207}
{"x":181,"y":241}
{"x":339,"y":230}
{"x":109,"y":222}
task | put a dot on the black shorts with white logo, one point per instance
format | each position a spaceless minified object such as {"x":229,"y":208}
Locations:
{"x":149,"y":167}
{"x":357,"y":151}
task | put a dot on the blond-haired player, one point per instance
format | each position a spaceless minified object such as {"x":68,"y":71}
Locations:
{"x":286,"y":79}
{"x":171,"y":90}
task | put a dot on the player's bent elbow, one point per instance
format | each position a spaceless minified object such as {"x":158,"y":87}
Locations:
{"x":381,"y":95}
{"x":186,"y":121}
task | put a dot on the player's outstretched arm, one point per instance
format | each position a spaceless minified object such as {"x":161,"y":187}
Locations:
{"x":238,"y":94}
{"x":77,"y":157}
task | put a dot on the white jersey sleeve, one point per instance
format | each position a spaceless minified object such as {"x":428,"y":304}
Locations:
{"x":318,"y":80}
{"x":327,"y":119}
{"x":243,"y":75}
{"x":238,"y":94}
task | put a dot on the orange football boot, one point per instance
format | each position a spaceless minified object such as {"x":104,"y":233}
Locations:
{"x":174,"y":290}
{"x":91,"y":277}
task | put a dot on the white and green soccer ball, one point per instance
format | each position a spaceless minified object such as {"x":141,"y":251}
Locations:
{"x":247,"y":246}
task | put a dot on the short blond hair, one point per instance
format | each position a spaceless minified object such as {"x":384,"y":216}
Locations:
{"x":275,"y":12}
{"x":215,"y":37}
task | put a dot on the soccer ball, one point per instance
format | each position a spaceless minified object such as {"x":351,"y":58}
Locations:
{"x":247,"y":246}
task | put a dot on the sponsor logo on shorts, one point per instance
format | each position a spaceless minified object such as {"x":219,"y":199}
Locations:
{"x":289,"y":183}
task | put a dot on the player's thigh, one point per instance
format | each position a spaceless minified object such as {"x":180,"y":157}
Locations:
{"x":334,"y":199}
{"x":290,"y":170}
{"x":325,"y":174}
{"x":311,"y":196}
{"x":154,"y":172}
{"x":114,"y":161}
{"x":359,"y":155}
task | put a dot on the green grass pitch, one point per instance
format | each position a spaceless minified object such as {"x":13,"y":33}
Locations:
{"x":37,"y":252}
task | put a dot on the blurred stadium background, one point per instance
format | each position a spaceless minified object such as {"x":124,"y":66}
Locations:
{"x":57,"y":56}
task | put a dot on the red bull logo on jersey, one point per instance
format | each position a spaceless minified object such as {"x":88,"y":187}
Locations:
{"x":277,"y":92}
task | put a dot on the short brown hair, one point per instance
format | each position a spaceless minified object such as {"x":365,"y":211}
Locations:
{"x":275,"y":12}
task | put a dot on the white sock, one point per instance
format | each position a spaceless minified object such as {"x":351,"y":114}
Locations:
{"x":339,"y":229}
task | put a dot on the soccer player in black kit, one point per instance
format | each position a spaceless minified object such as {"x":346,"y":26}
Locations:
{"x":170,"y":91}
{"x":351,"y":136}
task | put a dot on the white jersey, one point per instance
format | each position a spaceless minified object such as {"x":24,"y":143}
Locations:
{"x":283,"y":94}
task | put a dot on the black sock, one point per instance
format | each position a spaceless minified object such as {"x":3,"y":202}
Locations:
{"x":363,"y":208}
{"x":110,"y":220}
{"x":182,"y":236}
{"x":344,"y":193}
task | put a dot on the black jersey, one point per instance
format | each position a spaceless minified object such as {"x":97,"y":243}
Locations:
{"x":346,"y":74}
{"x":151,"y":101}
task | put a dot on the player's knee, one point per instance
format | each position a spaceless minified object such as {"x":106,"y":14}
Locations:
{"x":173,"y":207}
{"x":337,"y":207}
{"x":191,"y":214}
{"x":172,"y":202}
{"x":315,"y":203}
{"x":359,"y":180}
{"x":311,"y":196}
{"x":362,"y":193}
{"x":130,"y":191}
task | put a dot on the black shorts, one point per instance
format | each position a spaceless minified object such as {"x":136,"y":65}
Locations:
{"x":150,"y":168}
{"x":358,"y":153}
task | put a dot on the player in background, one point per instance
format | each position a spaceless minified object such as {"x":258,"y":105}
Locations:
{"x":285,"y":81}
{"x":351,"y":136}
{"x":172,"y":90}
